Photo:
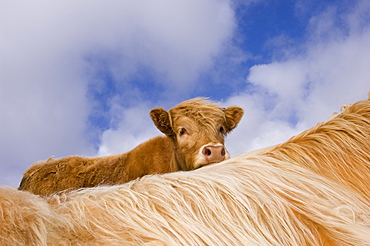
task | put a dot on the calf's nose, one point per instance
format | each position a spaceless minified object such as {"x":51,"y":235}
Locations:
{"x":214,"y":153}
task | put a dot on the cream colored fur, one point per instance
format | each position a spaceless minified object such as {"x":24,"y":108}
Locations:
{"x":27,"y":219}
{"x":256,"y":201}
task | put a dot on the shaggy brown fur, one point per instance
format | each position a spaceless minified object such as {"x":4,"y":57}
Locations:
{"x":195,"y":132}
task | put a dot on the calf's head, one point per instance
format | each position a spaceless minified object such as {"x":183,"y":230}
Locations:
{"x":197,"y":129}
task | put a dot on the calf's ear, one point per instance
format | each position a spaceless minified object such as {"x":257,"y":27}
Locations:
{"x":162,"y":121}
{"x":233,"y":116}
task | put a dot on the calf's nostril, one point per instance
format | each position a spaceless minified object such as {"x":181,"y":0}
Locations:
{"x":223,"y":152}
{"x":207,"y":151}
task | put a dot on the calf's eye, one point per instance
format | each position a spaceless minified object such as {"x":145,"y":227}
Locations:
{"x":182,"y":131}
{"x":222,"y":130}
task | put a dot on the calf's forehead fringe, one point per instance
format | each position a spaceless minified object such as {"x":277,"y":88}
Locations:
{"x":198,"y":108}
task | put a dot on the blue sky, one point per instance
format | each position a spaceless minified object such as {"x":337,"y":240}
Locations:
{"x":81,"y":77}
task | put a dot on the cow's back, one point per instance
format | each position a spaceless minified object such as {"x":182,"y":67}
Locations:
{"x":53,"y":175}
{"x":73,"y":172}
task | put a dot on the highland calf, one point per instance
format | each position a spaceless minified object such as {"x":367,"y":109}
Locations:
{"x":310,"y":190}
{"x":195,"y":132}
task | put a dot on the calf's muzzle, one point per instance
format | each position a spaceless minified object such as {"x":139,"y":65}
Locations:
{"x":213,"y":153}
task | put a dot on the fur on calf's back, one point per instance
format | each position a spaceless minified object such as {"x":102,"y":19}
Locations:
{"x":74,"y":172}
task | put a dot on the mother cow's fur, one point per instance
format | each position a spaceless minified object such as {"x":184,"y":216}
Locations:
{"x":302,"y":192}
{"x":195,"y":132}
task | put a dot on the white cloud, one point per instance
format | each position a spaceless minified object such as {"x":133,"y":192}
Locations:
{"x":135,"y":128}
{"x":175,"y":39}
